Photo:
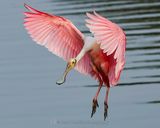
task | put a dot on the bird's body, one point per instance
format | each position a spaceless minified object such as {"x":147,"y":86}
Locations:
{"x":99,"y":60}
{"x":101,"y":56}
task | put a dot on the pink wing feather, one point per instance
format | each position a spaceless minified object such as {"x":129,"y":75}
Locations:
{"x":112,"y":41}
{"x":58,"y":34}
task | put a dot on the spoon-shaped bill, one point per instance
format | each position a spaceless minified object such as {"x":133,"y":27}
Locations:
{"x":62,"y":79}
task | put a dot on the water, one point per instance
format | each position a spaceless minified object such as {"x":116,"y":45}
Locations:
{"x":29,"y":96}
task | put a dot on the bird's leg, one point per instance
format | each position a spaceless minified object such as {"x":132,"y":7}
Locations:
{"x":94,"y":101}
{"x":106,"y":103}
{"x":104,"y":71}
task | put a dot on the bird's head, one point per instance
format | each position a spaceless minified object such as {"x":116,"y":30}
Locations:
{"x":70,"y":65}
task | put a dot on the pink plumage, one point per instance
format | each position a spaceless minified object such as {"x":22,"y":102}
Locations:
{"x":101,"y":56}
{"x":112,"y":41}
{"x":58,"y":34}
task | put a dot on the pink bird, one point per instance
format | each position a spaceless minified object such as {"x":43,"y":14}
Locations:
{"x":101,"y":56}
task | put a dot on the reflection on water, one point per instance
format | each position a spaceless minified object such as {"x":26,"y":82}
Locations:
{"x":153,"y":102}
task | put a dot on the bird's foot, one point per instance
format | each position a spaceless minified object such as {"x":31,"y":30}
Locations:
{"x":94,"y":106}
{"x":105,"y":110}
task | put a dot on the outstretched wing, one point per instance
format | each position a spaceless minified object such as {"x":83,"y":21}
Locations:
{"x":57,"y":34}
{"x":112,"y":41}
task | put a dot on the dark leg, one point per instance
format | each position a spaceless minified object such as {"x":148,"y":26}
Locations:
{"x":104,"y":72}
{"x":95,"y":102}
{"x":106,"y":103}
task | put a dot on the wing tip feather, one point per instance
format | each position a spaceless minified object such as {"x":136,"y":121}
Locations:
{"x":27,"y":6}
{"x":30,"y":8}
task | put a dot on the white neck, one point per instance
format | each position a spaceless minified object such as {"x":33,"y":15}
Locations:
{"x":81,"y":54}
{"x":88,"y":43}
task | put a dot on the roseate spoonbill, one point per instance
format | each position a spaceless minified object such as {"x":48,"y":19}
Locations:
{"x":101,"y":56}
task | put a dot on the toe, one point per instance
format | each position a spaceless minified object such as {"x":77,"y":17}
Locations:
{"x":105,"y":110}
{"x":94,"y":106}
